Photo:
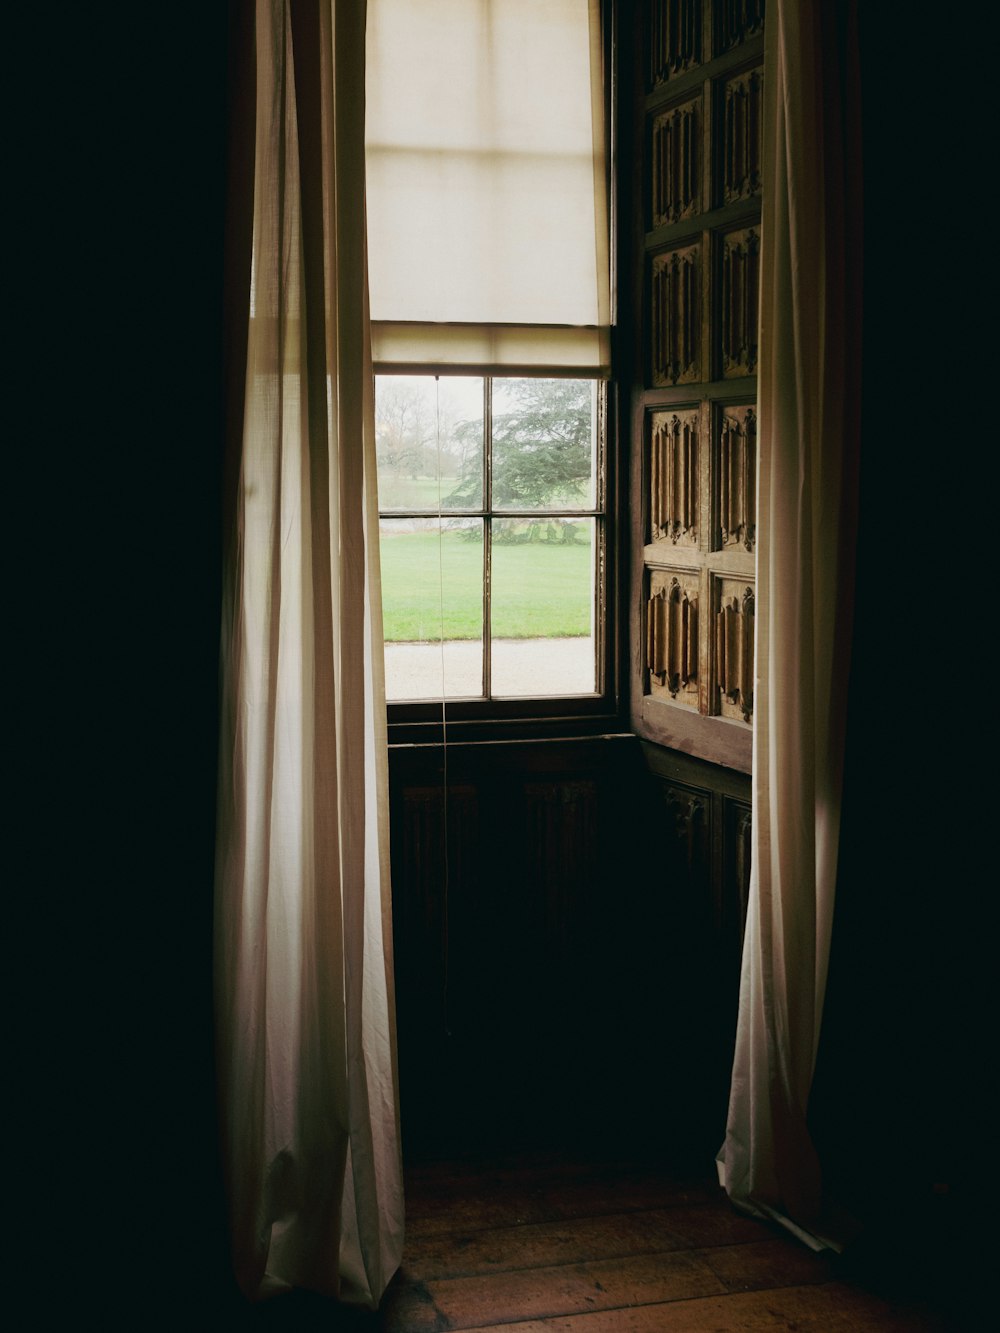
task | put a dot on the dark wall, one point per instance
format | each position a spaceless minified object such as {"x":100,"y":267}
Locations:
{"x":899,"y":1091}
{"x":119,"y":220}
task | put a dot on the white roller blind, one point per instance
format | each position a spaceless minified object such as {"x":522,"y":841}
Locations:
{"x":487,"y":198}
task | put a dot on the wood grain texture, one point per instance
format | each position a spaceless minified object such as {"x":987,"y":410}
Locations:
{"x":574,"y":1288}
{"x":538,"y":1245}
{"x":535,"y":1243}
{"x":693,"y":277}
{"x":832,"y":1308}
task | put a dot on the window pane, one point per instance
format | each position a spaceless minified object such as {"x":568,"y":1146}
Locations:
{"x":412,"y":414}
{"x":543,"y":607}
{"x":544,"y":443}
{"x":432,"y":639}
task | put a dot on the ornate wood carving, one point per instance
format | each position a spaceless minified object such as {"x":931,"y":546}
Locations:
{"x":690,"y":815}
{"x":676,"y":163}
{"x":673,"y":478}
{"x":734,"y":650}
{"x":672,"y":636}
{"x":674,"y":38}
{"x":675,"y":314}
{"x":696,"y":269}
{"x":741,"y":136}
{"x":737,"y":478}
{"x":740,"y":289}
{"x":735,"y":21}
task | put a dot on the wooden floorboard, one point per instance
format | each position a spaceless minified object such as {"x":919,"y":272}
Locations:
{"x":830,"y":1308}
{"x":542,"y":1245}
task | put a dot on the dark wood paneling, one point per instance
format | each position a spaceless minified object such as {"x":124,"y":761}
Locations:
{"x":512,"y":885}
{"x":690,"y":263}
{"x":564,"y":949}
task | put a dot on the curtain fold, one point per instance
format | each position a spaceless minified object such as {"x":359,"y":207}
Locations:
{"x":809,"y":408}
{"x":305,"y":1009}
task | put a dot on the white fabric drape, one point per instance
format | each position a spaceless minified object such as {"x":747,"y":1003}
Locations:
{"x":807,"y":510}
{"x":487,"y":193}
{"x":306,"y":1042}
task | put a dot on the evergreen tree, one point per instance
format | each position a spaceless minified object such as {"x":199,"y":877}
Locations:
{"x":542,"y":446}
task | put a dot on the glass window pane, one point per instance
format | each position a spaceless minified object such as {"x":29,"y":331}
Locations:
{"x":413,"y":413}
{"x":432,"y":640}
{"x":544,"y":443}
{"x":543,"y":606}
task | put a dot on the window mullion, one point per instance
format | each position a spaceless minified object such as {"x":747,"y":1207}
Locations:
{"x":600,"y":571}
{"x":487,"y":536}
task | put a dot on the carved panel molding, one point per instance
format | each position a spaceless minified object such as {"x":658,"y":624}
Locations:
{"x":736,"y":474}
{"x":673,"y":478}
{"x":739,"y":299}
{"x":675,"y":311}
{"x":737,"y":847}
{"x":743,"y":839}
{"x":695,"y":276}
{"x":690,"y":815}
{"x":735,"y":21}
{"x":424,"y":858}
{"x":561,"y":820}
{"x":672,"y":636}
{"x":734,"y":621}
{"x":741,"y":136}
{"x":676,"y":163}
{"x":674,"y":38}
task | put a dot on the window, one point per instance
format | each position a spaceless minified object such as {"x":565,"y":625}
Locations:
{"x":493,"y":536}
{"x":488,"y":208}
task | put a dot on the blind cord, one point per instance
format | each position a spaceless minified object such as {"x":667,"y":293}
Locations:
{"x":444,"y":714}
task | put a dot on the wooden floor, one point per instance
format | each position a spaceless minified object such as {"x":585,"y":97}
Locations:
{"x":539,"y":1244}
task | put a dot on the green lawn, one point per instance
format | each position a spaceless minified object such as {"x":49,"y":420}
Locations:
{"x":401,"y":492}
{"x":540,"y":589}
{"x":395,"y":492}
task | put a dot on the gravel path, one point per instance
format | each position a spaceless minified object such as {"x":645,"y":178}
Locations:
{"x":520,"y":667}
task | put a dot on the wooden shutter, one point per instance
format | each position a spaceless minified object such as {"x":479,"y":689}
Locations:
{"x":694,"y":256}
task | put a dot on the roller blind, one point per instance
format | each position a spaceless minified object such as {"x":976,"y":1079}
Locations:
{"x":487,"y":193}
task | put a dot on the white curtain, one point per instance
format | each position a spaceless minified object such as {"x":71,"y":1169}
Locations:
{"x":808,"y":404}
{"x":306,"y":1041}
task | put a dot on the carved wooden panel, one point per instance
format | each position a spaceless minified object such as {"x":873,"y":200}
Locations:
{"x":742,"y":98}
{"x":735,"y":21}
{"x":419,"y":859}
{"x":672,"y":635}
{"x":695,"y":271}
{"x":689,"y":832}
{"x":676,"y":163}
{"x":733,"y":649}
{"x":740,"y":838}
{"x":674,"y":38}
{"x":734,"y":896}
{"x":561,"y":821}
{"x":740,"y":288}
{"x":424,"y":840}
{"x":496,"y":966}
{"x":673,"y":477}
{"x":675,"y":314}
{"x":736,"y":479}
